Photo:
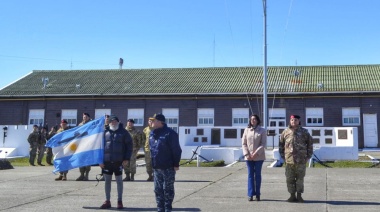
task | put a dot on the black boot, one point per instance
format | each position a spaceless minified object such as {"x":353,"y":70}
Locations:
{"x":127,"y":177}
{"x":292,"y":198}
{"x":299,"y":197}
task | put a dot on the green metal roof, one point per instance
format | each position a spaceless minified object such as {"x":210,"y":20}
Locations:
{"x":187,"y":81}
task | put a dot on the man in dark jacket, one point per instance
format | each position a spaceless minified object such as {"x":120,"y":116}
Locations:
{"x":166,"y":154}
{"x":117,"y":153}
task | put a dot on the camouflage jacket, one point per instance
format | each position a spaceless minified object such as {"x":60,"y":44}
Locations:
{"x":296,"y":146}
{"x":137,"y":137}
{"x":44,"y":137}
{"x":146,"y":131}
{"x":83,"y":122}
{"x":34,"y":137}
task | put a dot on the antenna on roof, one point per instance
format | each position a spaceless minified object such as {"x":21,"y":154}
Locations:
{"x":45,"y":81}
{"x":297,"y":72}
{"x":121,"y":61}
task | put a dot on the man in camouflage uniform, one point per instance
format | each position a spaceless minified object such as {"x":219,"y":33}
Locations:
{"x":62,"y":175}
{"x":148,"y":159}
{"x":41,"y":146}
{"x":49,"y":151}
{"x":137,"y":139}
{"x":33,"y":139}
{"x":296,"y":148}
{"x":84,"y":170}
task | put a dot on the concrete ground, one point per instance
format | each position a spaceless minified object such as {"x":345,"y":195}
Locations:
{"x":197,"y":189}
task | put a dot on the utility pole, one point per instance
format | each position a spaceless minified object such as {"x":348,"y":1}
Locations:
{"x":265,"y":70}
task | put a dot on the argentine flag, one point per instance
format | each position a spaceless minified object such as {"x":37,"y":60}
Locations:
{"x":78,"y":146}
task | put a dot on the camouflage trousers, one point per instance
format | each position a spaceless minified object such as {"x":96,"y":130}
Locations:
{"x":164,"y":188}
{"x":130,"y":168}
{"x":49,"y":155}
{"x":148,"y":162}
{"x":295,"y":174}
{"x":84,"y":169}
{"x":32,"y":152}
{"x":40,"y":152}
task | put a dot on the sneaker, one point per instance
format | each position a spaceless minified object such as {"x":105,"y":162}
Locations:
{"x":120,"y":205}
{"x":106,"y":205}
{"x":41,"y":164}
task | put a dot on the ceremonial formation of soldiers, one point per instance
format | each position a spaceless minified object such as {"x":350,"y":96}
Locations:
{"x":40,"y":135}
{"x":295,"y":147}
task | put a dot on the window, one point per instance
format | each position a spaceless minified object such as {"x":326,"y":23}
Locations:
{"x":351,"y":116}
{"x":70,"y":116}
{"x":137,"y":115}
{"x":171,"y":116}
{"x":276,"y":117}
{"x":240,"y":116}
{"x":36,"y":117}
{"x":205,"y":117}
{"x":101,"y":112}
{"x":314,"y":116}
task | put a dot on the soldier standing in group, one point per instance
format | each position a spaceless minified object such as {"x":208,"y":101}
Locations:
{"x":49,"y":151}
{"x":63,"y":175}
{"x":33,"y":139}
{"x":41,"y":146}
{"x":137,"y":138}
{"x":106,"y":127}
{"x":85,"y":170}
{"x":296,"y":148}
{"x":148,"y":159}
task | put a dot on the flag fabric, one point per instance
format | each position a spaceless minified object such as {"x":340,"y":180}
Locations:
{"x":78,"y":146}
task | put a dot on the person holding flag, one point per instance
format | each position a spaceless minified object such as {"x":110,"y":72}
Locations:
{"x":62,"y":174}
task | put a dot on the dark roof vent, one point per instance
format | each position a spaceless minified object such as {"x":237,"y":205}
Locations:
{"x":297,"y":73}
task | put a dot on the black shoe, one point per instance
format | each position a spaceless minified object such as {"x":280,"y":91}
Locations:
{"x":250,"y":199}
{"x":258,"y":198}
{"x":32,"y":164}
{"x":41,"y":164}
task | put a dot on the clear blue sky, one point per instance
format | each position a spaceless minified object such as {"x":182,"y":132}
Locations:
{"x":94,"y":34}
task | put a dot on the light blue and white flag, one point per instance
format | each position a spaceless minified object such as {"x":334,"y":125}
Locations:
{"x":78,"y":146}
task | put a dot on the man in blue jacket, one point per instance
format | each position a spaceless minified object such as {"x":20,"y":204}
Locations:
{"x":166,"y":155}
{"x":117,"y":153}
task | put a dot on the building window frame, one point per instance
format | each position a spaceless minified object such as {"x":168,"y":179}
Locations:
{"x":314,"y":117}
{"x":172,"y":118}
{"x":240,"y":117}
{"x":71,"y":116}
{"x":351,"y":116}
{"x":137,"y":114}
{"x":205,"y":117}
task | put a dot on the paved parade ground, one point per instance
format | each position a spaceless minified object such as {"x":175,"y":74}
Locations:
{"x":197,"y":189}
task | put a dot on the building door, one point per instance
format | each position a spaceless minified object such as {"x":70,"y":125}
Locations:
{"x":276,"y":124}
{"x":370,"y":130}
{"x":215,"y":136}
